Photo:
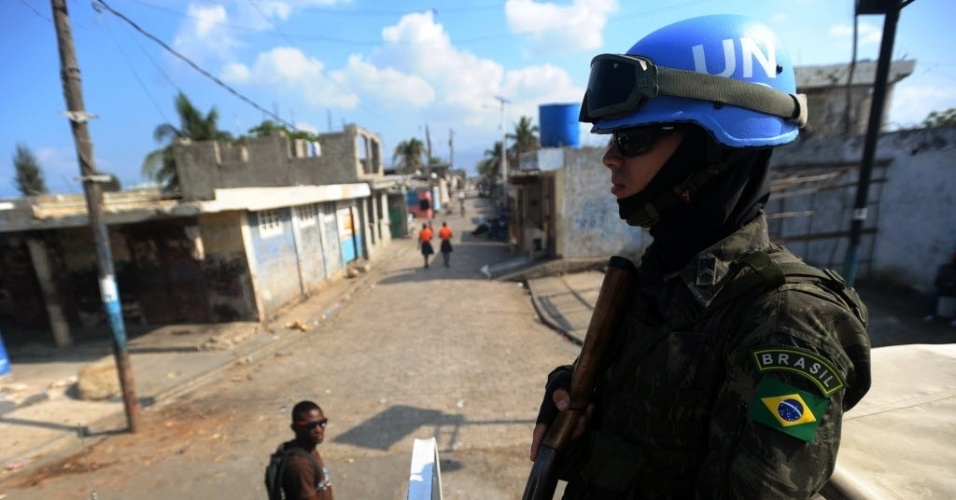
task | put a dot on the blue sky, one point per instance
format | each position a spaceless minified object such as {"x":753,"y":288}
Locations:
{"x":388,"y":66}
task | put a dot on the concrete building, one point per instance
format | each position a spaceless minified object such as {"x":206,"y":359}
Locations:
{"x":838,"y":109}
{"x":563,"y":209}
{"x":259,"y":227}
{"x":910,"y":230}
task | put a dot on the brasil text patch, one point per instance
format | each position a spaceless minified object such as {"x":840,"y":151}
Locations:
{"x":802,"y":362}
{"x":787,"y":409}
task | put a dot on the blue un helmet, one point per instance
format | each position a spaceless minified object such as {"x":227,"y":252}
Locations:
{"x":728,"y":74}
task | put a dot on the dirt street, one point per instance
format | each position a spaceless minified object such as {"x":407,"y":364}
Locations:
{"x":438,"y":352}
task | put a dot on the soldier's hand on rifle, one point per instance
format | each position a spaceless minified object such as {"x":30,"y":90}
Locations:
{"x":556,"y":400}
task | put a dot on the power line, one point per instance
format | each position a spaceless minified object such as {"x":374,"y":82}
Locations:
{"x":35,"y":11}
{"x":135,"y":74}
{"x":102,"y":4}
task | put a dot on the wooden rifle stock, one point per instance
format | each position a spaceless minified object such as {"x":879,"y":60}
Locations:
{"x":605,"y":319}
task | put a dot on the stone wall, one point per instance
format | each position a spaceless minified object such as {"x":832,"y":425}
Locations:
{"x":353,"y":155}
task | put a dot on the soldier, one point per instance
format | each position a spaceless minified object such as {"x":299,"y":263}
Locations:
{"x":735,"y":361}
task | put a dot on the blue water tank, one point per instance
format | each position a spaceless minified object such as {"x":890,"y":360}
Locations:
{"x":559,"y":125}
{"x":5,"y":367}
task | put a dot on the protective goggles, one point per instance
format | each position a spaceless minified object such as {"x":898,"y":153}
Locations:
{"x":621,"y":84}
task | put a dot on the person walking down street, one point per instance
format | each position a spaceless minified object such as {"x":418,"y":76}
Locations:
{"x":734,"y":361}
{"x":445,"y":234}
{"x":305,"y":476}
{"x":425,"y":243}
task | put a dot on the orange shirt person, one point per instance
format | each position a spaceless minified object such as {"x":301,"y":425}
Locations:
{"x":425,"y":242}
{"x":445,"y":234}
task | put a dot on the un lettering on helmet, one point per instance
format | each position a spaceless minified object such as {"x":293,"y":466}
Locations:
{"x":730,"y":46}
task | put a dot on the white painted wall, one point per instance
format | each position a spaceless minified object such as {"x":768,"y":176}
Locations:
{"x":916,"y":209}
{"x":588,"y":220}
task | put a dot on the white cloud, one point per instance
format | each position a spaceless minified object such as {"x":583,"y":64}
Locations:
{"x":419,"y":76}
{"x":236,"y":73}
{"x":560,"y":28}
{"x":289,"y":69}
{"x":209,"y":29}
{"x":867,"y":34}
{"x":419,"y":48}
{"x":205,"y":34}
{"x":390,"y":86}
{"x":911,"y":104}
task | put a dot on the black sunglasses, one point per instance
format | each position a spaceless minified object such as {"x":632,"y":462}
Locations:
{"x":639,"y":140}
{"x":313,"y":425}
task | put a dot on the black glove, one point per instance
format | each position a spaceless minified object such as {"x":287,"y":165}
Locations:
{"x":559,"y":378}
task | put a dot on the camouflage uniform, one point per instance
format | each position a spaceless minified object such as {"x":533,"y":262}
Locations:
{"x":722,"y":390}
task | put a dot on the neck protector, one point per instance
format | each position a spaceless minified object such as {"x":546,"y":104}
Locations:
{"x":703,"y":193}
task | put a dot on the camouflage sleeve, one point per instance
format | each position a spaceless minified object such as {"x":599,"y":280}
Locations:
{"x":777,"y":419}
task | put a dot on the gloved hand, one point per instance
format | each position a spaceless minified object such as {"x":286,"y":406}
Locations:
{"x":556,"y":400}
{"x":559,"y":378}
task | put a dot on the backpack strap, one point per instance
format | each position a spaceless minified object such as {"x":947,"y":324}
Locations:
{"x":302,"y":453}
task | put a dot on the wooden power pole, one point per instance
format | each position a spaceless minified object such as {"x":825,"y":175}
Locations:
{"x":73,"y":91}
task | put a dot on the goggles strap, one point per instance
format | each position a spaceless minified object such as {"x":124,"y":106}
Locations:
{"x":705,"y":87}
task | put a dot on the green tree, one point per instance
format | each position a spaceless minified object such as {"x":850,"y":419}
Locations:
{"x":411,"y":155}
{"x":160,"y":165}
{"x":29,"y":179}
{"x":112,"y":185}
{"x":940,"y":118}
{"x":524,"y":136}
{"x":489,"y":167}
{"x":269,"y":127}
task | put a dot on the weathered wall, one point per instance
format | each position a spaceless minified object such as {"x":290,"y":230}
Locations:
{"x":21,"y":301}
{"x":330,"y":240}
{"x":166,"y":276}
{"x":231,"y":295}
{"x":276,"y":265}
{"x":912,"y":213}
{"x":308,"y":244}
{"x":917,"y":207}
{"x":587,"y":221}
{"x":273,"y":161}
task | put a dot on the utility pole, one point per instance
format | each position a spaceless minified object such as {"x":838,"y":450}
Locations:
{"x":451,"y":146}
{"x":73,"y":91}
{"x":504,"y":154}
{"x":891,"y":9}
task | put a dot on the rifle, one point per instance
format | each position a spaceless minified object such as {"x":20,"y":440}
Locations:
{"x":609,"y":309}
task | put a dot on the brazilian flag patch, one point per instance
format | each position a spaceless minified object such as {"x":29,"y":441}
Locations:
{"x":787,"y":409}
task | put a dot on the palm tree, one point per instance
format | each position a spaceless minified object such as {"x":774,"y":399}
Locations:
{"x":490,"y":166}
{"x":160,"y":165}
{"x":524,"y":136}
{"x":411,"y":154}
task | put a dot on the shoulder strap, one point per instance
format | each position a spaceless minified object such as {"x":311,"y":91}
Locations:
{"x":769,"y":274}
{"x":315,"y":466}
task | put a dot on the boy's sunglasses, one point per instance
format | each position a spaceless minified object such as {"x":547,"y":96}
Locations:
{"x":313,"y":425}
{"x":639,"y":140}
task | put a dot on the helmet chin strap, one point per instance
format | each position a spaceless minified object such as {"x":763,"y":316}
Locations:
{"x":650,"y":214}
